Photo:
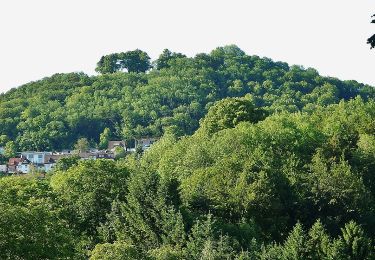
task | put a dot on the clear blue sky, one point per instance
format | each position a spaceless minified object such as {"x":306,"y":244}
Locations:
{"x":41,"y":37}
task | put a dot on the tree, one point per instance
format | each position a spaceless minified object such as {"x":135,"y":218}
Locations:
{"x":104,"y":138}
{"x":3,"y":140}
{"x":133,"y":61}
{"x":33,"y":232}
{"x":164,"y":59}
{"x":295,"y":245}
{"x":229,"y":112}
{"x":65,"y":163}
{"x":318,"y":244}
{"x":88,"y":190}
{"x":371,"y":40}
{"x":146,"y":219}
{"x":108,"y":64}
{"x":82,"y":145}
{"x":116,"y":251}
{"x":30,"y":224}
{"x":10,"y":149}
{"x":120,"y":152}
{"x":357,"y":244}
{"x":204,"y":243}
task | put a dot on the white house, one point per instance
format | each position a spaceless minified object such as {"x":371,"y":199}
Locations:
{"x":39,"y":161}
{"x":3,"y":168}
{"x":112,"y":145}
{"x":23,"y":166}
{"x":145,"y":143}
{"x":36,"y":157}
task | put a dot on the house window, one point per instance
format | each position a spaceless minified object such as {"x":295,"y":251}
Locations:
{"x":40,"y":158}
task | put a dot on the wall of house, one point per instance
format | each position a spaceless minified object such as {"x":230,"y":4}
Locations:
{"x":3,"y":168}
{"x":24,"y":168}
{"x":36,"y":157}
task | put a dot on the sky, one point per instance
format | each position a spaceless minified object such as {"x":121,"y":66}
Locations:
{"x":41,"y":37}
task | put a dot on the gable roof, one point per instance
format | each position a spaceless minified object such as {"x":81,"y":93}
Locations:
{"x":16,"y":161}
{"x":113,"y":144}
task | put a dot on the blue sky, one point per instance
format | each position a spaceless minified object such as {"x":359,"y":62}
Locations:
{"x":41,"y":37}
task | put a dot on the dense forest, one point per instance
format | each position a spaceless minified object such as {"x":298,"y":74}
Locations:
{"x":257,"y":160}
{"x":136,"y":101}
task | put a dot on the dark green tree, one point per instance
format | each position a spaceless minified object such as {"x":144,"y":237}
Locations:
{"x":371,"y":40}
{"x":33,"y":232}
{"x":135,"y":61}
{"x":87,"y":191}
{"x":146,"y":219}
{"x":31,"y":226}
{"x":357,"y":245}
{"x":108,"y":64}
{"x":166,"y":57}
{"x":65,"y":163}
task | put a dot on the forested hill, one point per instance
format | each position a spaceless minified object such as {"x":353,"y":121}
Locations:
{"x":175,"y":94}
{"x":270,"y":168}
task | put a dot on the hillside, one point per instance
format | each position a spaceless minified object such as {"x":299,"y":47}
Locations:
{"x":256,"y":160}
{"x":52,"y":113}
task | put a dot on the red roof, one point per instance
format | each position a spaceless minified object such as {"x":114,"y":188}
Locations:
{"x":15,"y":161}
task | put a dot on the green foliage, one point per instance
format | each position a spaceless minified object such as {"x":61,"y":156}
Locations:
{"x":87,"y":191}
{"x":3,"y":140}
{"x":65,"y":163}
{"x":104,"y":138}
{"x":33,"y":232}
{"x":108,"y":64}
{"x":294,"y":246}
{"x":55,"y":112}
{"x":30,"y":223}
{"x":319,"y":242}
{"x":257,"y":160}
{"x":146,"y":218}
{"x":357,"y":244}
{"x":133,"y":61}
{"x":228,"y":113}
{"x":166,"y":58}
{"x":10,"y":149}
{"x":203,"y":244}
{"x":82,"y":145}
{"x":116,"y":251}
{"x":120,"y":152}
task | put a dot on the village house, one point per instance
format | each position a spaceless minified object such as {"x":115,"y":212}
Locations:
{"x":112,"y":145}
{"x":145,"y":143}
{"x":3,"y":168}
{"x":33,"y":161}
{"x":13,"y":163}
{"x":97,"y":155}
{"x":36,"y":157}
{"x":23,"y":166}
{"x":45,"y":161}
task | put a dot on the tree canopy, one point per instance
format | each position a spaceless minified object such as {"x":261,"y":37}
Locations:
{"x":371,"y":40}
{"x":133,"y":61}
{"x":256,"y":160}
{"x":53,"y":113}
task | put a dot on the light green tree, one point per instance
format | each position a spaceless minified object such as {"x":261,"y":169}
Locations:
{"x":82,"y":145}
{"x":104,"y":138}
{"x":10,"y":149}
